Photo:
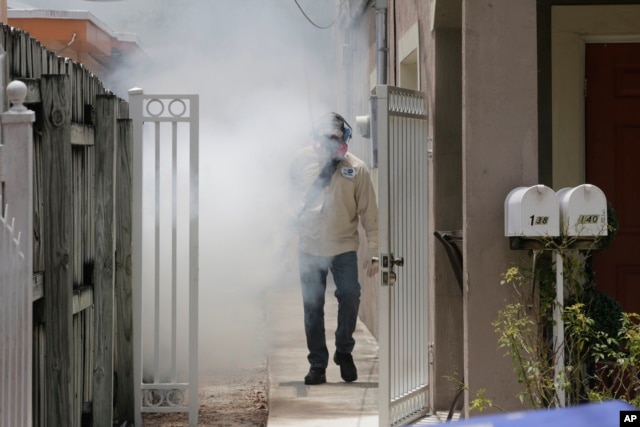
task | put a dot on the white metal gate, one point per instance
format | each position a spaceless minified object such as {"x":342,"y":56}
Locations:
{"x":401,"y":137}
{"x":165,"y":253}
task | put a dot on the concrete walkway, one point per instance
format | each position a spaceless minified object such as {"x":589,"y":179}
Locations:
{"x":336,"y":403}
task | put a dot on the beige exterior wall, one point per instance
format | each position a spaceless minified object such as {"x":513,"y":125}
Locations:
{"x":499,"y":153}
{"x":446,"y":79}
{"x":438,"y":70}
{"x":478,"y":69}
{"x":3,"y":11}
{"x":356,"y":65}
{"x":479,"y":74}
{"x":440,"y":79}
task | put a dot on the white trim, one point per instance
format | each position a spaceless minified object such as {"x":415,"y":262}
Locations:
{"x":409,"y":55}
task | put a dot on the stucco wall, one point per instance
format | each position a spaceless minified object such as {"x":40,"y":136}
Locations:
{"x":357,"y":62}
{"x":499,"y":151}
{"x":447,"y":207}
{"x":480,"y":83}
{"x":440,"y":80}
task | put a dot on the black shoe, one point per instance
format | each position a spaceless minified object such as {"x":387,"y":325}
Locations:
{"x":315,"y":376}
{"x":348,"y":370}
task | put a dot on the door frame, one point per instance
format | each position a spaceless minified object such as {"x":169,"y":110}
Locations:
{"x":545,"y":117}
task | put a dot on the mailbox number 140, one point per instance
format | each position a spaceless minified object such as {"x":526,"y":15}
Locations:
{"x":539,"y":220}
{"x":588,"y":219}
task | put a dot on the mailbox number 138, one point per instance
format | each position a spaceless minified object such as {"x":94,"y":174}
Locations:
{"x":539,"y":220}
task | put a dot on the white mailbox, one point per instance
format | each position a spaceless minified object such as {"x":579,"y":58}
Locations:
{"x":583,"y":211}
{"x":532,"y":212}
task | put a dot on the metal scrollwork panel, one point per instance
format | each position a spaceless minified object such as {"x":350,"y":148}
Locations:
{"x":169,"y":108}
{"x":155,"y":398}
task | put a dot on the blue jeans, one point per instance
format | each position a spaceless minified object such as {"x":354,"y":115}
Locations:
{"x":313,"y":276}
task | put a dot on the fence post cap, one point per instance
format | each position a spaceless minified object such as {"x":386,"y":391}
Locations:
{"x":17,"y":93}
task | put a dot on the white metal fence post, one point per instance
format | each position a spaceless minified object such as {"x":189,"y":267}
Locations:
{"x":16,"y":265}
{"x":165,"y":125}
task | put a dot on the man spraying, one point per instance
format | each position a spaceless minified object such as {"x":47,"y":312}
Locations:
{"x":335,"y":195}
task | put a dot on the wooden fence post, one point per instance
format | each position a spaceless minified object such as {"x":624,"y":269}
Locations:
{"x":58,"y":226}
{"x":124,"y":278}
{"x":104,"y":272}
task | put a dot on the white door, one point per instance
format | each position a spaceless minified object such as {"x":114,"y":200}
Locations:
{"x":401,"y":139}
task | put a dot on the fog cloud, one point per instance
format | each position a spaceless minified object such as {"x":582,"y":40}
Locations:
{"x":263,"y":73}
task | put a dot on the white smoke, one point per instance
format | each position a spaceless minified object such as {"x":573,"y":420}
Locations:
{"x":263,"y":73}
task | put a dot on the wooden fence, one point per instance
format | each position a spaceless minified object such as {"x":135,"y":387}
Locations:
{"x":81,"y":251}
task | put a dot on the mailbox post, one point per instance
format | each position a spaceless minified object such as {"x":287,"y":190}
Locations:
{"x":533,"y":213}
{"x":537,"y":212}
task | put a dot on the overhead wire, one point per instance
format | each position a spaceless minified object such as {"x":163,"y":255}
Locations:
{"x":313,"y":23}
{"x":343,"y":7}
{"x":304,"y":62}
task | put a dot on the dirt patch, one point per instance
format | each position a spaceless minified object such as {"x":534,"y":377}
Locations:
{"x":227,"y":399}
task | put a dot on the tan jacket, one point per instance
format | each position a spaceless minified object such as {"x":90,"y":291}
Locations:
{"x":328,"y":224}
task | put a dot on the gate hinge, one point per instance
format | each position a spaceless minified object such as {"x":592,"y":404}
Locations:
{"x":1,"y":162}
{"x":2,"y":202}
{"x":431,"y":353}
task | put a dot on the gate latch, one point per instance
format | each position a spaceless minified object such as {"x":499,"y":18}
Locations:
{"x":388,"y":275}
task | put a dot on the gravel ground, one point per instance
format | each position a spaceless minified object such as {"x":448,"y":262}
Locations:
{"x":234,"y":380}
{"x":227,"y":399}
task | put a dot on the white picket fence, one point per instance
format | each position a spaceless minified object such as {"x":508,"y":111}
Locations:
{"x":15,"y":379}
{"x":16,"y":308}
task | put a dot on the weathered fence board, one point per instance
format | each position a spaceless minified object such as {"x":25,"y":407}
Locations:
{"x":81,"y":255}
{"x":58,"y":218}
{"x":103,"y":283}
{"x":124,"y":279}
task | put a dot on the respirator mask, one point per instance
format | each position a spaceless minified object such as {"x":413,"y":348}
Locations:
{"x":331,"y":136}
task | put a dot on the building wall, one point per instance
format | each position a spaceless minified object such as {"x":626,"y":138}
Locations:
{"x":478,"y":72}
{"x":440,"y":79}
{"x":81,"y":37}
{"x":447,"y":206}
{"x":466,"y":67}
{"x":499,"y":153}
{"x":478,"y":69}
{"x":356,"y":66}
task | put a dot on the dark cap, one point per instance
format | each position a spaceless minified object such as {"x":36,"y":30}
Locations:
{"x":330,"y":126}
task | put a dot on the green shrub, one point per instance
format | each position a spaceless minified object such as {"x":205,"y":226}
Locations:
{"x":601,"y":343}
